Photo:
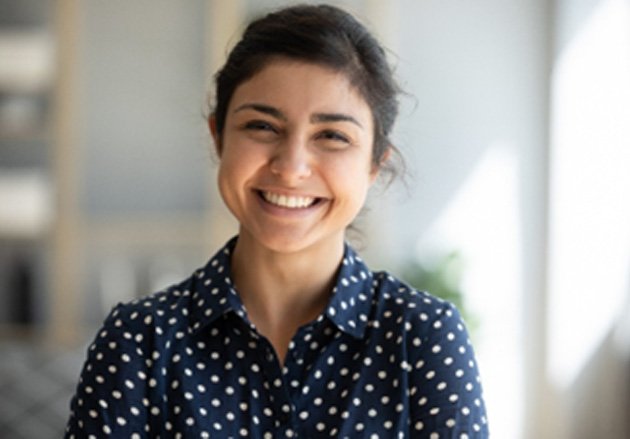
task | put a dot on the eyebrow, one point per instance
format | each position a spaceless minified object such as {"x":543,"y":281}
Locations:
{"x":315,"y":118}
{"x":334,"y":117}
{"x":262,"y":108}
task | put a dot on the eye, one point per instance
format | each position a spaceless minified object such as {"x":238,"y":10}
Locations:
{"x":259,"y":125}
{"x":260,"y":130}
{"x":334,"y":137}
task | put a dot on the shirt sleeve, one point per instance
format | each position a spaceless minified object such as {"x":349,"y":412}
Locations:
{"x":111,"y":397}
{"x":446,"y":393}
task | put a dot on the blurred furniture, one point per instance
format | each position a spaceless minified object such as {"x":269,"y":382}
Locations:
{"x":27,"y":72}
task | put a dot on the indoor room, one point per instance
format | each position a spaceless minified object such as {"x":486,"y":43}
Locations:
{"x":514,"y":204}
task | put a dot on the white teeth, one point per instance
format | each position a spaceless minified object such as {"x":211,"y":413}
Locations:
{"x":288,"y":201}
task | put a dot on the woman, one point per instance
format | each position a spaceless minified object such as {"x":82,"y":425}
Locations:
{"x":286,"y":332}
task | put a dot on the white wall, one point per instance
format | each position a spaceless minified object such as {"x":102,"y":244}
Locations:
{"x":589,"y":282}
{"x":144,"y":140}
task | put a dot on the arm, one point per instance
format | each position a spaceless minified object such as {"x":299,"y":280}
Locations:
{"x":446,"y":394}
{"x":111,"y":394}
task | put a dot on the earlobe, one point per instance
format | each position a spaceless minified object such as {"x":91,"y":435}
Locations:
{"x":212,"y":124}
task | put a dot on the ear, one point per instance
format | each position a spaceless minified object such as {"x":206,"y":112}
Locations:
{"x":376,"y":168}
{"x":212,"y":124}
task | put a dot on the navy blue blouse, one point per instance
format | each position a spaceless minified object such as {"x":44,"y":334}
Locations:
{"x":382,"y":361}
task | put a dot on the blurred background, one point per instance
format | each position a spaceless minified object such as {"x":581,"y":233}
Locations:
{"x":516,"y":130}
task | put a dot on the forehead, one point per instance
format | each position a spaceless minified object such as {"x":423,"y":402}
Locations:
{"x":297,"y":87}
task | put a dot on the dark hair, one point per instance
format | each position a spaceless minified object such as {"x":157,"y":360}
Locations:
{"x":321,"y":34}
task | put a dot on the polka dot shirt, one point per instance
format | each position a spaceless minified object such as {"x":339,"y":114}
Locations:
{"x":381,"y":361}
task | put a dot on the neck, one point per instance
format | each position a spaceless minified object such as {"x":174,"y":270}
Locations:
{"x":283,"y":291}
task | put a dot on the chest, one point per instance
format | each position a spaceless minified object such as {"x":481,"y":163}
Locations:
{"x":228,"y":382}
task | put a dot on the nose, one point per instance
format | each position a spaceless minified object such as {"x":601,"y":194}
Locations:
{"x":291,"y":161}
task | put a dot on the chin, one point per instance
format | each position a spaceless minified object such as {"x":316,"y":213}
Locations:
{"x":287,"y":245}
{"x":295,"y":242}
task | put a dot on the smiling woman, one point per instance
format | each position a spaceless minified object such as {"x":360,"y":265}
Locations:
{"x":295,"y":132}
{"x":286,"y":332}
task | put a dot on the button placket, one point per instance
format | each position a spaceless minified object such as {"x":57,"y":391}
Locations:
{"x":276,"y":386}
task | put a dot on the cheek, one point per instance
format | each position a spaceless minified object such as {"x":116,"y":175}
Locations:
{"x":238,"y":166}
{"x":224,"y":185}
{"x":351,"y":177}
{"x":229,"y":172}
{"x":235,"y":158}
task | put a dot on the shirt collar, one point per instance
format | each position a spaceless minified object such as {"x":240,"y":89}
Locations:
{"x":349,"y":306}
{"x":214,"y":294}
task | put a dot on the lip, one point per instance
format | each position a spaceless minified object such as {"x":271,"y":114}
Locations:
{"x":285,"y":210}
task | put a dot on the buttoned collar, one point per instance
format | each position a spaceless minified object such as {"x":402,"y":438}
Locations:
{"x":214,"y":293}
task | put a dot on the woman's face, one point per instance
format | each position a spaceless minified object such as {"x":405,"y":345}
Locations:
{"x":295,"y":155}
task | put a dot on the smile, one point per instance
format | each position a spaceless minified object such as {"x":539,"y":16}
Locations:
{"x":287,"y":201}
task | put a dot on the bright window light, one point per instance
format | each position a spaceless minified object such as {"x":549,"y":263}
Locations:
{"x":590,"y":189}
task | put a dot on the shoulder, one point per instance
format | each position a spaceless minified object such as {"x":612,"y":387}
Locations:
{"x":151,"y":320}
{"x":174,"y":305}
{"x":416,"y":319}
{"x":166,"y":304}
{"x":396,"y":299}
{"x":394,"y":303}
